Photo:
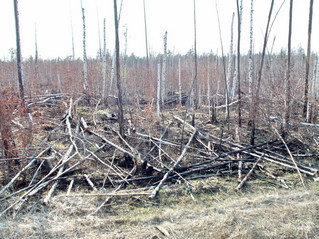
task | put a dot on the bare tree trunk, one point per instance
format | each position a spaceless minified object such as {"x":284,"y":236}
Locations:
{"x":164,"y":71}
{"x":158,"y":98}
{"x":288,"y":84}
{"x":19,"y":60}
{"x":118,"y":73}
{"x":250,"y":61}
{"x":256,"y":97}
{"x":195,"y":82}
{"x":36,"y":62}
{"x":85,"y":64}
{"x":73,"y":52}
{"x":104,"y":63}
{"x":239,"y":14}
{"x":145,"y":29}
{"x":306,"y":108}
{"x":99,"y":32}
{"x":179,"y":81}
{"x":230,"y":59}
{"x":224,"y":68}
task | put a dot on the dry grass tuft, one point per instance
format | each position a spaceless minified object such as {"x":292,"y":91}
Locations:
{"x":216,"y":213}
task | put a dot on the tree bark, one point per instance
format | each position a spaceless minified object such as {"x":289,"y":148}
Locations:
{"x":239,"y":14}
{"x":19,"y":59}
{"x":288,"y":83}
{"x":255,"y":104}
{"x":118,"y":73}
{"x":85,"y":64}
{"x":306,"y":101}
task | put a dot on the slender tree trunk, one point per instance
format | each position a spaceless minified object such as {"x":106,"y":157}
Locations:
{"x":85,"y":63}
{"x":195,"y":82}
{"x":224,"y":68}
{"x":104,"y":63}
{"x":118,"y":73}
{"x":288,"y":84}
{"x":145,"y":30}
{"x":179,"y":81}
{"x":239,"y":14}
{"x":306,"y":108}
{"x":158,"y":98}
{"x":250,"y":55}
{"x":19,"y":59}
{"x":36,"y":62}
{"x":256,"y":97}
{"x":164,"y":71}
{"x":230,"y":59}
{"x":73,"y":52}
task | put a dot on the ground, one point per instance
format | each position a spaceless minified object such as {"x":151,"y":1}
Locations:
{"x":212,"y":210}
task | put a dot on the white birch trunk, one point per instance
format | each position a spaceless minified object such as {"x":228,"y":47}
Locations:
{"x":250,"y":54}
{"x":85,"y":65}
{"x":158,"y":98}
{"x":230,"y":58}
{"x":179,"y":80}
{"x":104,"y":66}
{"x":164,"y":70}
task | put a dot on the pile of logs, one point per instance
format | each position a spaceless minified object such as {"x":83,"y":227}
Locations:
{"x":95,"y":157}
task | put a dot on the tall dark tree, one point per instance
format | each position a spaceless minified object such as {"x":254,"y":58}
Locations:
{"x":19,"y":59}
{"x":255,"y":104}
{"x":306,"y":108}
{"x":195,"y":83}
{"x":288,"y":83}
{"x":118,"y":72}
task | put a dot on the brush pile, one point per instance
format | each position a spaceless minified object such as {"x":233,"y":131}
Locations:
{"x":78,"y":151}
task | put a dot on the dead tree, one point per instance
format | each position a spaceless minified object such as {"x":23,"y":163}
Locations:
{"x":239,"y":14}
{"x":145,"y":29}
{"x":195,"y":82}
{"x":230,"y":59}
{"x":85,"y":63}
{"x":164,"y":71}
{"x":104,"y":66}
{"x":250,"y":54}
{"x":306,"y":101}
{"x":118,"y":73}
{"x":288,"y":83}
{"x":256,"y":97}
{"x":19,"y":60}
{"x":224,"y":68}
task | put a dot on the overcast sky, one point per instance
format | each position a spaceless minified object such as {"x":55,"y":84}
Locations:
{"x":54,"y":19}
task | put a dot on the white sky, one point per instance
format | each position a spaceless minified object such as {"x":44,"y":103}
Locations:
{"x":53,"y":20}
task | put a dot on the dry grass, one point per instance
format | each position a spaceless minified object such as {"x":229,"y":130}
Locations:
{"x":218,"y":212}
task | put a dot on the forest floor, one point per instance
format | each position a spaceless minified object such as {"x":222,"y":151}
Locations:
{"x":213,"y":210}
{"x":90,"y":190}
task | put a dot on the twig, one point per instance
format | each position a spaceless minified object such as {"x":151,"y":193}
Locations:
{"x":21,"y":171}
{"x":292,"y":158}
{"x":180,"y":158}
{"x":248,"y":174}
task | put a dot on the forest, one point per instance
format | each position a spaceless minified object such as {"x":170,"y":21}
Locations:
{"x":118,"y":133}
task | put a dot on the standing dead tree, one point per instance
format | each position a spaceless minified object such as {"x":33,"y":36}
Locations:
{"x":195,"y":82}
{"x":118,"y":73}
{"x":306,"y":98}
{"x":85,"y":63}
{"x":224,"y":67}
{"x":250,"y":54}
{"x":230,"y":58}
{"x":288,"y":83}
{"x":164,"y":71}
{"x":145,"y":29}
{"x":256,"y":97}
{"x":239,"y":17}
{"x":19,"y":59}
